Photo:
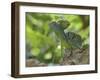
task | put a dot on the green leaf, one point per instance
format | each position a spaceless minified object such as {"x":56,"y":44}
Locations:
{"x":48,"y":55}
{"x":35,"y":51}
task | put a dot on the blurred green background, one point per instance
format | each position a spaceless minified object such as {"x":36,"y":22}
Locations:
{"x":41,"y":42}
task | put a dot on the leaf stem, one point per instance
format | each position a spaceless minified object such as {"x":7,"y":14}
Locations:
{"x":61,"y":50}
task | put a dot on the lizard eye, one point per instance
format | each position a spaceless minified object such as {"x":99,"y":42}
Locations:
{"x":64,"y":23}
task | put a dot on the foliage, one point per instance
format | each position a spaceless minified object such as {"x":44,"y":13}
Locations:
{"x":42,"y":42}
